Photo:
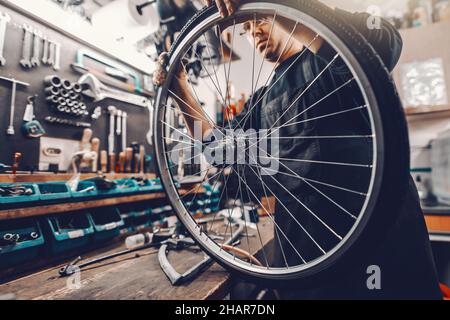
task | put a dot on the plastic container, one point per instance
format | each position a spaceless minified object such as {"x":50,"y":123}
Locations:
{"x":126,"y":186}
{"x":53,"y":191}
{"x":85,"y":190}
{"x":68,"y":231}
{"x":128,"y":226}
{"x":23,"y":198}
{"x":153,"y":185}
{"x":29,"y":245}
{"x":107,"y":223}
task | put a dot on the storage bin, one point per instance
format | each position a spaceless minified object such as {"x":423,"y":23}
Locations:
{"x":150,"y":185}
{"x":34,"y":196}
{"x":142,"y":222}
{"x":53,"y":191}
{"x":128,"y":226}
{"x":107,"y":222}
{"x":69,"y":231}
{"x":126,"y":186}
{"x":28,"y":246}
{"x":85,"y":190}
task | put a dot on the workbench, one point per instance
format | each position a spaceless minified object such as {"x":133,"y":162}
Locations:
{"x":131,"y":278}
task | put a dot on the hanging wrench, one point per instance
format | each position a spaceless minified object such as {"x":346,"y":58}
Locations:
{"x":4,"y":20}
{"x":35,"y":62}
{"x":57,"y":58}
{"x":51,"y":55}
{"x":26,"y":49}
{"x":45,"y":54}
{"x":124,"y":130}
{"x":119,"y":122}
{"x":10,"y":130}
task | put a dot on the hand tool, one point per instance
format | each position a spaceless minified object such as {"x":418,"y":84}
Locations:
{"x":56,"y":120}
{"x":9,"y":191}
{"x":111,"y":137}
{"x":95,"y":144}
{"x":151,"y":111}
{"x":72,"y":267}
{"x":53,"y":80}
{"x":51,"y":53}
{"x":97,"y":113}
{"x":177,"y":244}
{"x":52,"y":91}
{"x":15,"y":166}
{"x":66,"y":84}
{"x":92,"y":87}
{"x":84,"y":53}
{"x":85,"y":156}
{"x":128,"y":159}
{"x":45,"y":54}
{"x":141,"y":160}
{"x":31,"y":128}
{"x":103,"y":161}
{"x":85,"y":144}
{"x":108,"y":80}
{"x":136,"y":148}
{"x":119,"y":122}
{"x":26,"y":48}
{"x":124,"y":130}
{"x":4,"y":20}
{"x":122,"y":159}
{"x":35,"y":60}
{"x":57,"y":61}
{"x":10,"y":130}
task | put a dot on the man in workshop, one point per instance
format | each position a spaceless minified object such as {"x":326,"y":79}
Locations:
{"x":405,"y":257}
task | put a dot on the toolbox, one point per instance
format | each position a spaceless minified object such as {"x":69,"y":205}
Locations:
{"x":106,"y":222}
{"x":85,"y":190}
{"x":32,"y":196}
{"x":53,"y":191}
{"x":68,"y":231}
{"x":25,"y":242}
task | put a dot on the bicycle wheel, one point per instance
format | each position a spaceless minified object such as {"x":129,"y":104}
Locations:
{"x":331,"y":207}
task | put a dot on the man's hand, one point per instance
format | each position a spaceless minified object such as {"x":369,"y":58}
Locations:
{"x":226,"y":7}
{"x":160,"y":74}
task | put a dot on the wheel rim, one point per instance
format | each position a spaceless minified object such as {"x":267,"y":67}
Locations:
{"x":179,"y":201}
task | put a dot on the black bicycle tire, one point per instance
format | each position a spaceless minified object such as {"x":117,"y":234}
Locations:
{"x":396,"y":164}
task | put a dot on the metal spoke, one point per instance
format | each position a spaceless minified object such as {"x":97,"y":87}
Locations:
{"x":264,"y":93}
{"x":197,"y":112}
{"x":308,"y":108}
{"x":317,"y":190}
{"x":277,"y":226}
{"x":322,"y":162}
{"x":291,"y":214}
{"x":316,"y":181}
{"x":325,"y":116}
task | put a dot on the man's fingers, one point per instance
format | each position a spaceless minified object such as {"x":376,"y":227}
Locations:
{"x":160,"y":74}
{"x":223,"y":11}
{"x":208,"y":2}
{"x":230,"y":6}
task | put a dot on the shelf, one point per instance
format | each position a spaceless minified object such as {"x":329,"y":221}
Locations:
{"x":81,"y":205}
{"x":414,"y":111}
{"x":47,"y":177}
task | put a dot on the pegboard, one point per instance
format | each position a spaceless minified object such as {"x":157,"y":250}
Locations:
{"x":138,"y":117}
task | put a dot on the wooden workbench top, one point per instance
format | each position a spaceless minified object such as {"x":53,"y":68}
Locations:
{"x":131,"y":278}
